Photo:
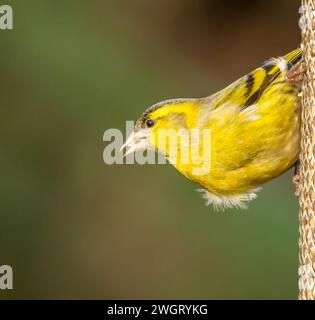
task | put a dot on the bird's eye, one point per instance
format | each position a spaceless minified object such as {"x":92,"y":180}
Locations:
{"x":149,"y":123}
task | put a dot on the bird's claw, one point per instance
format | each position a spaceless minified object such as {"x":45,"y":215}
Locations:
{"x":296,"y":182}
{"x":297,"y":178}
{"x":295,"y":74}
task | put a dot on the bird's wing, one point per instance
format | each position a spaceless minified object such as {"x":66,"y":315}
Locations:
{"x":247,"y":90}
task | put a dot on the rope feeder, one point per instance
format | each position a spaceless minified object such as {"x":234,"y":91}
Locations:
{"x":307,"y":157}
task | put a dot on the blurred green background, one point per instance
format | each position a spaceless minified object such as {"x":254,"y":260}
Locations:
{"x":72,"y":227}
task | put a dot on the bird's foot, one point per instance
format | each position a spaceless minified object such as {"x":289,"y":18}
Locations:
{"x":297,"y":179}
{"x":296,"y":182}
{"x":295,"y":74}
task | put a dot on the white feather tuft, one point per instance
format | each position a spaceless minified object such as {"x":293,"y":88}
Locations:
{"x":222,"y":202}
{"x":281,"y":63}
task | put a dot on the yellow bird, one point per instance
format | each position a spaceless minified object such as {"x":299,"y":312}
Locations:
{"x":254,"y":127}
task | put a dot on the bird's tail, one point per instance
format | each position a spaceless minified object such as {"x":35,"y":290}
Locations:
{"x":276,"y":67}
{"x":293,"y":57}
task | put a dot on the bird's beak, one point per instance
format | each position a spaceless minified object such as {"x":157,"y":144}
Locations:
{"x":137,"y":141}
{"x":130,"y":143}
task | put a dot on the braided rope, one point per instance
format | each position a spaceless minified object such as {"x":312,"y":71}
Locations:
{"x":307,"y":157}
